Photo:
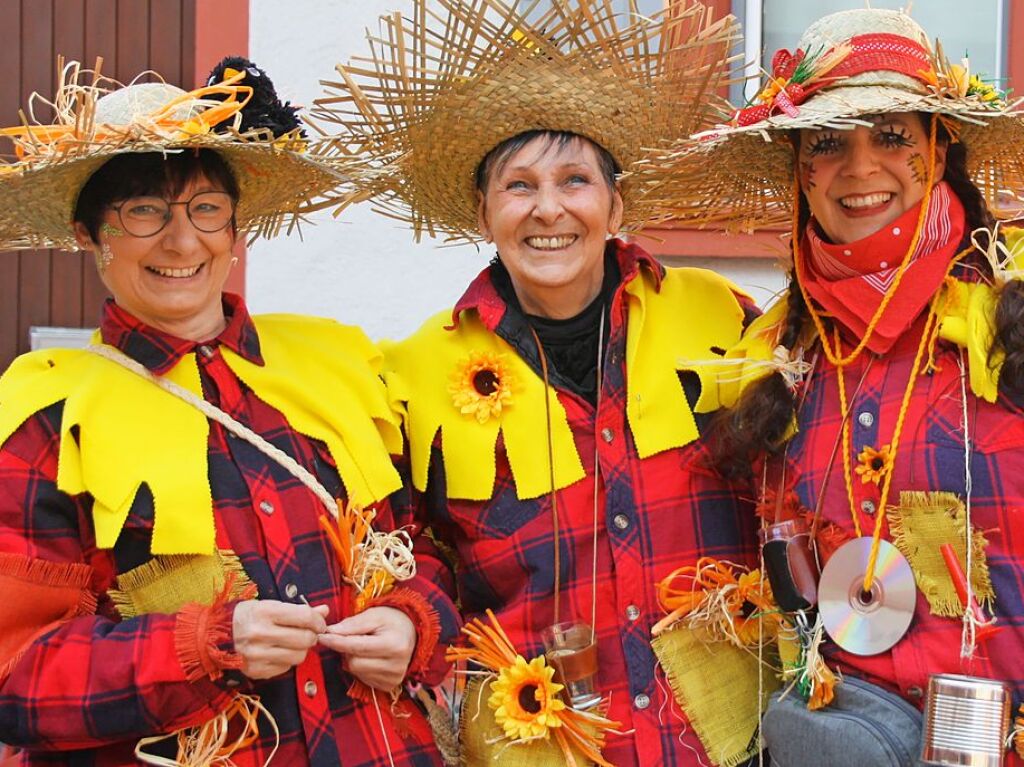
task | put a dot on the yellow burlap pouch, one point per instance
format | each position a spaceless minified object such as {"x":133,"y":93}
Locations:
{"x":165,"y":584}
{"x":919,"y":526}
{"x":717,"y":686}
{"x":482,"y":741}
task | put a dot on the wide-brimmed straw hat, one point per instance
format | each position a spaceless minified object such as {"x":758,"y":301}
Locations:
{"x":98,"y":118}
{"x":848,"y":65}
{"x":445,"y":86}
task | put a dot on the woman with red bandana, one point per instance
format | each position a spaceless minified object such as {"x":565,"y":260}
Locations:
{"x":878,"y":404}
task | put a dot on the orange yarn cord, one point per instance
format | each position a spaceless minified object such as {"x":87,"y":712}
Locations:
{"x":833,"y":355}
{"x":926,"y":345}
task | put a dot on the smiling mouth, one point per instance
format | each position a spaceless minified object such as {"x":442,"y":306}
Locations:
{"x":551,"y":243}
{"x":861,"y":201}
{"x":178,"y":274}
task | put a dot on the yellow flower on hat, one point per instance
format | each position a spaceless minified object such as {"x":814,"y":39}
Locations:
{"x":525,"y":699}
{"x":874,"y":464}
{"x":482,"y":385}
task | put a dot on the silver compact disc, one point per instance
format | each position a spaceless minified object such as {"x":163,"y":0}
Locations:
{"x":866,"y":623}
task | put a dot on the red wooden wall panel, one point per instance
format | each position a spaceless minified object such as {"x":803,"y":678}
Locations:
{"x":52,"y":287}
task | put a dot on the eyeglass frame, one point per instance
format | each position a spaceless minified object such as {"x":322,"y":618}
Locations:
{"x":168,"y":217}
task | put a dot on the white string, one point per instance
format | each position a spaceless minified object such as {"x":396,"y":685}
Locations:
{"x":597,"y":477}
{"x":968,"y":637}
{"x":383,"y":731}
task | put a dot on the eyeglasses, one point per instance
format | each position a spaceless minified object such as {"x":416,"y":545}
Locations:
{"x":147,"y":216}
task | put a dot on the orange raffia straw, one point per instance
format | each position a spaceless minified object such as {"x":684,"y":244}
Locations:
{"x":717,"y":596}
{"x":489,"y":646}
{"x":678,"y":601}
{"x":346,"y":535}
{"x":43,"y":140}
{"x":209,"y":744}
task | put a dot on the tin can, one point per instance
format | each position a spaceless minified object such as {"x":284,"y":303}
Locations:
{"x":966,"y":721}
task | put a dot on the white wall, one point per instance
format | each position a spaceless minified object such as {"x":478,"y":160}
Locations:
{"x":362,"y":268}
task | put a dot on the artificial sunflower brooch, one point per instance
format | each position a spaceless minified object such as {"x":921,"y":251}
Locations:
{"x":525,"y":699}
{"x":873,"y":465}
{"x":482,"y":385}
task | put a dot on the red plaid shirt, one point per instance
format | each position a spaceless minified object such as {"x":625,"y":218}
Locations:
{"x":656,"y":514}
{"x":930,"y":458}
{"x":85,"y":692}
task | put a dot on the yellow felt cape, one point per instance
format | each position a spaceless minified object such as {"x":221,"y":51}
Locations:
{"x":966,"y":314}
{"x":693,"y":311}
{"x":321,"y":375}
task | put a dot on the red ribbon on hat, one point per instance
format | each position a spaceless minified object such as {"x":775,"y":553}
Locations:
{"x":792,"y":84}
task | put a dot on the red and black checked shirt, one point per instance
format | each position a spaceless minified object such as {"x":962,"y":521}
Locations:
{"x":930,"y":458}
{"x":84,"y":693}
{"x":655,"y":515}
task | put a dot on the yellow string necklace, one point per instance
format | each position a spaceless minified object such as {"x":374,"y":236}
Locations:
{"x":928,"y":339}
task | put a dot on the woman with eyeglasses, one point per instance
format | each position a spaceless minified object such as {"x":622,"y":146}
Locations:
{"x":167,"y":549}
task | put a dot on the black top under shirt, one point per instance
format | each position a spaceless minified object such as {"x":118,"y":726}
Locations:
{"x":570,"y":345}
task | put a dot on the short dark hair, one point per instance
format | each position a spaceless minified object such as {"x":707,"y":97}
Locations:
{"x":148,"y":173}
{"x":495,"y":160}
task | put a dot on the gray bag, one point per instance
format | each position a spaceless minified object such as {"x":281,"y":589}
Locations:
{"x":864,"y":725}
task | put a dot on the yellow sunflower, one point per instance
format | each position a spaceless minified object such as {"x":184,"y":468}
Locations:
{"x":874,"y":464}
{"x":482,"y":385}
{"x":525,"y":699}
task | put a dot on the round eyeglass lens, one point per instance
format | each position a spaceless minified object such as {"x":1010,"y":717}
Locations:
{"x":210,"y":211}
{"x":144,"y":216}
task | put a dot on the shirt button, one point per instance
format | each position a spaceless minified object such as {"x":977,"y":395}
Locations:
{"x":865,"y":419}
{"x":266,"y":507}
{"x":310,"y":689}
{"x":868,"y":507}
{"x":291,"y":591}
{"x":915,"y":692}
{"x":607,"y":434}
{"x":847,"y":252}
{"x":621,"y":521}
{"x":641,"y":701}
{"x":206,"y":351}
{"x":896,"y":231}
{"x":632,"y":612}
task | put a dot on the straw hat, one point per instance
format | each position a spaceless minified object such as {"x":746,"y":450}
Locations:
{"x":97,"y":118}
{"x":444,"y":87}
{"x":848,"y":65}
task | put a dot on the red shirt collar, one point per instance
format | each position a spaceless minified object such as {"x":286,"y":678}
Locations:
{"x":160,"y":351}
{"x":482,"y":296}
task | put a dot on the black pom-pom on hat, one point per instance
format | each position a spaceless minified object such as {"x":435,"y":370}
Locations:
{"x":264,"y":109}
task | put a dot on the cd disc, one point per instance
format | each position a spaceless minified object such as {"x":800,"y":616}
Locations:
{"x":866,"y":624}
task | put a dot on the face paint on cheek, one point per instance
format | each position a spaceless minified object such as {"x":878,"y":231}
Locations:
{"x":806,"y":174}
{"x":110,"y":230}
{"x":918,"y":168}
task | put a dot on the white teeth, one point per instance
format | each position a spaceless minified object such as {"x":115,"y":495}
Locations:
{"x":164,"y":272}
{"x":866,"y":200}
{"x":551,"y":243}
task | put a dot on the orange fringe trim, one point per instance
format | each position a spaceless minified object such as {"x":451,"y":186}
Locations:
{"x":200,"y":630}
{"x":31,"y":590}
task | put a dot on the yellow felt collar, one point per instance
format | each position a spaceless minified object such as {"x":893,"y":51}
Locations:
{"x":692,"y":312}
{"x":322,"y":376}
{"x":966,"y":313}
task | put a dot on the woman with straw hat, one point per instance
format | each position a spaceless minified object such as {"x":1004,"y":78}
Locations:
{"x":554,"y":442}
{"x":155,"y":484}
{"x":877,"y":404}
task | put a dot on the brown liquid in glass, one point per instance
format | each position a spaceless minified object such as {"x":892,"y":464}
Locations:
{"x":572,"y":665}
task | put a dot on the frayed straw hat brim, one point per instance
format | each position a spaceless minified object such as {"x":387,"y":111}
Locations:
{"x":448,"y":85}
{"x":98,"y":119}
{"x":37,"y":202}
{"x":743,"y":181}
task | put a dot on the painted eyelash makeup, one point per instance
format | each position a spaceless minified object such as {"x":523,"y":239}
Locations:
{"x":823,"y":143}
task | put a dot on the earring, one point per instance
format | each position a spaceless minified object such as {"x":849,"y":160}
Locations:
{"x":104,"y":258}
{"x":234,"y":260}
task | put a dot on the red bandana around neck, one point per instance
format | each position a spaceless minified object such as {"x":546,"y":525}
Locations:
{"x":850,"y":280}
